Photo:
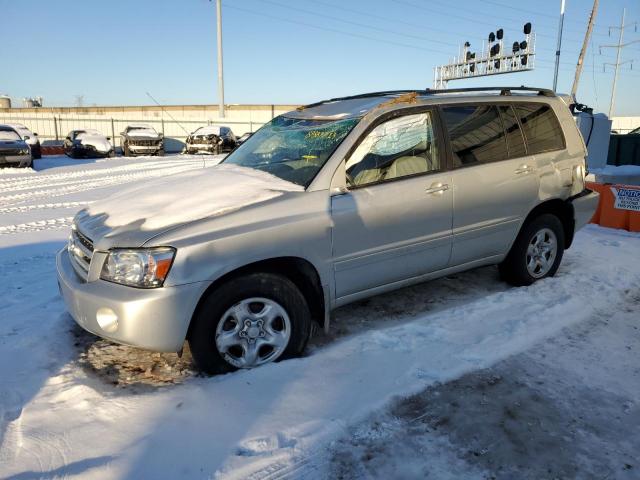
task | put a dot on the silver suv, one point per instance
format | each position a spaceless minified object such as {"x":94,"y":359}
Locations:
{"x":325,"y":205}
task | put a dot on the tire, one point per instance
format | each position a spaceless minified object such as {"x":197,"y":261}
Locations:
{"x":533,"y":255}
{"x":215,"y":317}
{"x":160,"y":152}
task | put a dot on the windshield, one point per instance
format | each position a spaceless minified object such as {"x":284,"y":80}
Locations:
{"x":144,"y":130}
{"x":9,"y":135}
{"x":293,"y":149}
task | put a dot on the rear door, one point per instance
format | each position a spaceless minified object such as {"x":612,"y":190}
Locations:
{"x":495,"y":181}
{"x":394,"y":222}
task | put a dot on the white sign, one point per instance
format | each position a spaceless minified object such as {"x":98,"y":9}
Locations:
{"x":627,"y":198}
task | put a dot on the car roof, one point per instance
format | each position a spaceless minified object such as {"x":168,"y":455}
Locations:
{"x":17,"y":125}
{"x":359,"y":105}
{"x":7,"y":127}
{"x":139,"y":125}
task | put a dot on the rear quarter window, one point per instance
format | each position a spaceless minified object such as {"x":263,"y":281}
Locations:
{"x":541,"y":128}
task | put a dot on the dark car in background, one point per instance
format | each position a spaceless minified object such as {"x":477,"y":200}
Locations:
{"x":29,"y":137}
{"x":243,"y":138}
{"x":141,"y":139}
{"x":14,"y":151}
{"x":87,"y":143}
{"x":211,"y":139}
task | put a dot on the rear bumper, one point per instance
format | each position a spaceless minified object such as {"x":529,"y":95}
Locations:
{"x":154,"y":319}
{"x":584,"y":206}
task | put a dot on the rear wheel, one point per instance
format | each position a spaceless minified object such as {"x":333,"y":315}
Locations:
{"x":536,"y":253}
{"x":249,"y":321}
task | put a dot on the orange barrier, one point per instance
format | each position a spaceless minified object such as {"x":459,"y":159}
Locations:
{"x":608,"y":215}
{"x":52,"y":150}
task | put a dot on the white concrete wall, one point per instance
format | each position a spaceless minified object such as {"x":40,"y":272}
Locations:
{"x":176,"y":121}
{"x":625,"y":124}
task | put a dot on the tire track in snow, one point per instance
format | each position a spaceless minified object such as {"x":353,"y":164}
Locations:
{"x":84,"y":185}
{"x":43,"y":206}
{"x":37,"y":226}
{"x":53,"y":179}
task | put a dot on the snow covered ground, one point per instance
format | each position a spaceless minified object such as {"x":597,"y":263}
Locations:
{"x":67,"y":408}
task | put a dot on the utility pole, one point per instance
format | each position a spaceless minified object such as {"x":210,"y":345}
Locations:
{"x":583,"y":51}
{"x":220,"y":72}
{"x":619,"y":46}
{"x":561,"y":24}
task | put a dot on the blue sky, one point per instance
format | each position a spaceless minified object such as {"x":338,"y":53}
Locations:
{"x":285,"y":51}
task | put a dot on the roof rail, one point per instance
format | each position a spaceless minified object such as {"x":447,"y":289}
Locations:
{"x":503,"y":90}
{"x":362,"y":95}
{"x":428,"y":91}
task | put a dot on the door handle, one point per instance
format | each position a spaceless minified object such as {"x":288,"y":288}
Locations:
{"x":437,"y":188}
{"x":524,"y":169}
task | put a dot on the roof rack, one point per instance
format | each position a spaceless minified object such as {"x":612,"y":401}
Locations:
{"x":428,"y":91}
{"x":361,"y":95}
{"x":545,"y":92}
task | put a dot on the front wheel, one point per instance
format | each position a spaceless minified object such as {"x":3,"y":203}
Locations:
{"x":536,"y":253}
{"x":249,"y":321}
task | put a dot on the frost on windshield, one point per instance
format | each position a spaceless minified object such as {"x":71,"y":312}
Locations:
{"x":9,"y":135}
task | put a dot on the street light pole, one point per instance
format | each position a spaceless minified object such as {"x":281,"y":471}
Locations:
{"x":220,"y":71}
{"x":555,"y":73}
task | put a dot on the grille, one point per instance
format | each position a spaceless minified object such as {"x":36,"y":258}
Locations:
{"x":80,"y":251}
{"x":6,"y":152}
{"x":144,"y":143}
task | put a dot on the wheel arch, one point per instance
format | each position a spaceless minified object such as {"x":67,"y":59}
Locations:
{"x":299,"y":270}
{"x":561,"y":209}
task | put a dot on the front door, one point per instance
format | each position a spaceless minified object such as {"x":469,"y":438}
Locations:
{"x":394,"y":222}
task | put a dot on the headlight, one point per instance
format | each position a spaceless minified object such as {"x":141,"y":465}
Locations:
{"x":142,"y":268}
{"x":24,"y":151}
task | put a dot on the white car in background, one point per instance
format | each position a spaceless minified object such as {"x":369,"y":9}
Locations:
{"x":29,"y":137}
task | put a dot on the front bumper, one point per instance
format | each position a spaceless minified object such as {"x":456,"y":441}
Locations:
{"x":202,"y":148}
{"x":15,"y":160}
{"x":584,"y":206}
{"x":155,"y":319}
{"x":144,"y":148}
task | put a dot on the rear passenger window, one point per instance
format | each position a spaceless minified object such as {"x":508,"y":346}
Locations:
{"x":476,"y":134}
{"x":541,"y":128}
{"x":515,"y":140}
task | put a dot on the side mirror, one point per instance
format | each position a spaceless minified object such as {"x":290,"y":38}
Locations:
{"x":35,"y":134}
{"x":68,"y":138}
{"x":27,"y":137}
{"x":109,"y":138}
{"x":122,"y":133}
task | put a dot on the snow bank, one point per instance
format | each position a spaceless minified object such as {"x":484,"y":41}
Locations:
{"x":191,"y":196}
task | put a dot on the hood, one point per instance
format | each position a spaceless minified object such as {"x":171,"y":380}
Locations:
{"x":13,"y":144}
{"x":147,"y":209}
{"x":98,"y":141}
{"x":143,"y":133}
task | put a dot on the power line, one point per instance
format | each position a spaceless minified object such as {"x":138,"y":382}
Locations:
{"x":359,"y":24}
{"x":332,"y":30}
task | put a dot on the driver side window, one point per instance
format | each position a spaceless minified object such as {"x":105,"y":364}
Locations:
{"x":400,"y":147}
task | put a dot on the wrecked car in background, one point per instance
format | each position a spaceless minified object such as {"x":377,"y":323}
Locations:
{"x":211,"y":139}
{"x":29,"y":137}
{"x":14,"y":151}
{"x":141,"y":139}
{"x":87,"y":143}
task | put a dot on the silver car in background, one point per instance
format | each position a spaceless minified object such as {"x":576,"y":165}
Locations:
{"x":328,"y":204}
{"x":14,"y":151}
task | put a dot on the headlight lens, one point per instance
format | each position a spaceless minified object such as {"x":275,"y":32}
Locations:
{"x":142,"y":268}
